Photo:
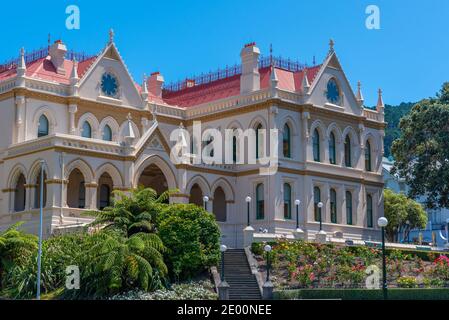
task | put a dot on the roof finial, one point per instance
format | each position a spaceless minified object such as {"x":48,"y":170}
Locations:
{"x":331,"y":45}
{"x":74,"y":75}
{"x":359,"y":93}
{"x":144,"y":88}
{"x":111,"y":36}
{"x":271,"y":54}
{"x":21,"y":66}
{"x":314,"y":61}
{"x":305,"y":82}
{"x":49,"y":41}
{"x":380,"y":101}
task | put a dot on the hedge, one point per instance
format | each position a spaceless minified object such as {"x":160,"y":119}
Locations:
{"x":364,"y":294}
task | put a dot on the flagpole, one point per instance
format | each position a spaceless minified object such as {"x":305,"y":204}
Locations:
{"x":39,"y":255}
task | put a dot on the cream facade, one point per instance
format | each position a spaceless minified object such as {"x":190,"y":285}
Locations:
{"x":95,"y":130}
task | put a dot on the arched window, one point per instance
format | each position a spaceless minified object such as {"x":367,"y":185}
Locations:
{"x":316,"y":146}
{"x":286,"y":142}
{"x":260,"y":203}
{"x":219,"y":205}
{"x":105,"y":196}
{"x":234,"y":148}
{"x":259,"y":141}
{"x":368,"y":156}
{"x":42,"y":129}
{"x":333,"y":196}
{"x":287,"y":201}
{"x":369,"y":211}
{"x":332,"y":153}
{"x":87,"y":130}
{"x":20,"y":194}
{"x":348,"y":162}
{"x":82,"y":195}
{"x":316,"y":200}
{"x":349,"y":207}
{"x":107,"y":133}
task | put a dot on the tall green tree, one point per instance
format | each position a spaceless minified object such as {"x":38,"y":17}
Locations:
{"x":422,"y":151}
{"x":132,"y":213}
{"x":399,"y":210}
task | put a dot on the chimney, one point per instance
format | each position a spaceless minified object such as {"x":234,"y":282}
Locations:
{"x":57,"y":55}
{"x":155,"y":83}
{"x":250,"y":78}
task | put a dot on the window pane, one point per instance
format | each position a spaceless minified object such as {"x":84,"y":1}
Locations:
{"x":368,"y":156}
{"x":332,"y":155}
{"x":87,"y":130}
{"x":369,"y":211}
{"x":107,"y":133}
{"x":287,"y":201}
{"x":259,"y":202}
{"x":286,"y":142}
{"x":333,"y":196}
{"x":348,"y":152}
{"x":348,"y":208}
{"x":316,"y":146}
{"x":43,"y":126}
{"x":316,"y":200}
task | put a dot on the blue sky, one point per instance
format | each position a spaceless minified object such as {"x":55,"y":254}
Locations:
{"x":408,"y":57}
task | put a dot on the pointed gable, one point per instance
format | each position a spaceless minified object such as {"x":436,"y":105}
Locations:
{"x":331,"y":69}
{"x":109,"y":62}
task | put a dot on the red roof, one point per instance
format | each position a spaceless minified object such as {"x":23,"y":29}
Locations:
{"x":43,"y":69}
{"x":228,"y":87}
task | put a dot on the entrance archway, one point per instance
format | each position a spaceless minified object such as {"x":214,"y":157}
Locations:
{"x":20,"y":194}
{"x":105,"y":186}
{"x":76,"y":190}
{"x":153,"y":177}
{"x":196,"y":195}
{"x":219,"y":205}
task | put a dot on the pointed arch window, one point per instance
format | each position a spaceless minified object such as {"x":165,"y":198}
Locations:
{"x":259,"y":141}
{"x":234,"y":148}
{"x":107,"y":133}
{"x":105,"y":196}
{"x":316,"y":145}
{"x":332,"y":151}
{"x":81,"y":195}
{"x":43,"y":127}
{"x":349,"y":208}
{"x":369,"y":211}
{"x":368,"y":156}
{"x":287,"y":201}
{"x":260,"y":202}
{"x":348,"y":162}
{"x":286,"y":138}
{"x":316,"y":200}
{"x":87,"y":130}
{"x":333,"y":198}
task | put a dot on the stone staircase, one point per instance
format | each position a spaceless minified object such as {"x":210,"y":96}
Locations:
{"x":242,"y":283}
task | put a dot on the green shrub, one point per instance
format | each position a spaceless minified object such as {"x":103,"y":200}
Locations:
{"x":407,"y":282}
{"x":192,"y":238}
{"x":257,"y":248}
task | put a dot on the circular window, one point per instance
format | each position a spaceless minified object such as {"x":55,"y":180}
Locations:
{"x":333,"y":92}
{"x":109,"y":85}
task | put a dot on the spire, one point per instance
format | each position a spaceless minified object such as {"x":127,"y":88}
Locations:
{"x":21,"y":67}
{"x":74,"y":75}
{"x":128,"y":134}
{"x":331,"y":46}
{"x":111,"y":36}
{"x":273,"y":77}
{"x":305,"y":82}
{"x":380,"y":102}
{"x":144,"y":92}
{"x":359,"y":93}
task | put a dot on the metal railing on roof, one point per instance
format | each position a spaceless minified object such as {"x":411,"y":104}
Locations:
{"x":278,"y":62}
{"x":40,"y":54}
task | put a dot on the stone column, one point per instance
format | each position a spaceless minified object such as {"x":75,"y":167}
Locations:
{"x":91,"y":195}
{"x":20,"y":118}
{"x":73,"y":108}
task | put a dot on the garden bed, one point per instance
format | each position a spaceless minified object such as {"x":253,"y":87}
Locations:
{"x":304,"y":265}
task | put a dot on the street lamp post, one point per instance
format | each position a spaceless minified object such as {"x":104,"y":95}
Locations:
{"x":297,"y":202}
{"x":205,"y":201}
{"x":223,"y":249}
{"x":267,"y":249}
{"x":320,"y":205}
{"x":248,"y":201}
{"x":41,"y":213}
{"x":382,"y":223}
